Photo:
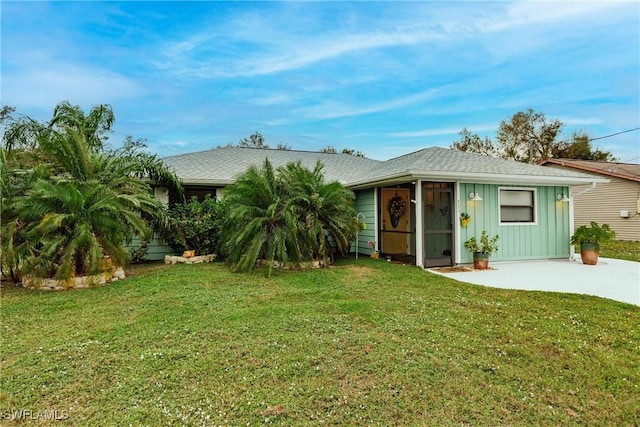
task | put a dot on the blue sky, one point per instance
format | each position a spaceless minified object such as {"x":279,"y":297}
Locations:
{"x":385,"y":78}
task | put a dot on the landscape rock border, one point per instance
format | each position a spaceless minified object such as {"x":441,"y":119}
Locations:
{"x":175,"y":259}
{"x":80,"y":282}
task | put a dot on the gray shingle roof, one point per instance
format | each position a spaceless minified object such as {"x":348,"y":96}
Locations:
{"x":221,"y":166}
{"x":443,"y":163}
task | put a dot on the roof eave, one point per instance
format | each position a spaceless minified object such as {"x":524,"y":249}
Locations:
{"x":207,"y":182}
{"x":476,"y":177}
{"x":382,"y":180}
{"x":583,"y":168}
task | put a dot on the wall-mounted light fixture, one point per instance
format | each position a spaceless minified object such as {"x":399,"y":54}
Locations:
{"x":475,"y":196}
{"x":562,"y":198}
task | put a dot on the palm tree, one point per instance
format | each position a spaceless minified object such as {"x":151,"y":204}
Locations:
{"x":288,"y":214}
{"x":77,"y":223}
{"x":325,"y":209}
{"x":260,"y":223}
{"x":75,"y":201}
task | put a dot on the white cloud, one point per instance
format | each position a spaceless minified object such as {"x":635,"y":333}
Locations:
{"x":275,"y":99}
{"x":283,"y":54}
{"x":276,"y":122}
{"x":45,"y":85}
{"x":312,"y":66}
{"x":521,"y":13}
{"x":276,"y":50}
{"x":580,"y":121}
{"x":332,"y":110}
{"x":442,"y":131}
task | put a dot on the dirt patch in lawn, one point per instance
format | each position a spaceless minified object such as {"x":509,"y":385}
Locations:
{"x":361,"y":273}
{"x":458,"y":269}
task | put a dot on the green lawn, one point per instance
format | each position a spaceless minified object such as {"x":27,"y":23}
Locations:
{"x":363,"y":343}
{"x":621,"y":249}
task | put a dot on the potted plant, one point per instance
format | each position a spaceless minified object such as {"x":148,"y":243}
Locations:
{"x":589,"y":238}
{"x":481,"y":251}
{"x":374,"y":251}
{"x":465,"y":219}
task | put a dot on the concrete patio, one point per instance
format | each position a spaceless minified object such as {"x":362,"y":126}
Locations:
{"x":611,"y":278}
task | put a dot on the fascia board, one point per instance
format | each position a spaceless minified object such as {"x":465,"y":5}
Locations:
{"x":515,"y":179}
{"x":476,"y":177}
{"x":220,"y":182}
{"x":382,"y":180}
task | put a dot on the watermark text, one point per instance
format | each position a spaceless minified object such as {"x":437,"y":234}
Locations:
{"x":33,"y":415}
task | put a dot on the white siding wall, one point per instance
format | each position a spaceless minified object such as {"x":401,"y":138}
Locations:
{"x":161,"y":194}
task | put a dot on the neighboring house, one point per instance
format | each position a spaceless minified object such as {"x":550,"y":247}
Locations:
{"x":412,"y":203}
{"x":616,"y":202}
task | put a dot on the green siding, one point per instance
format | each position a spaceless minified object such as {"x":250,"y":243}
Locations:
{"x":365,"y":205}
{"x":157,"y":248}
{"x":549,"y":238}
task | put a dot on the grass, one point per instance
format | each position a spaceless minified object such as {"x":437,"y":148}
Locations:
{"x":362,"y":343}
{"x":621,"y":249}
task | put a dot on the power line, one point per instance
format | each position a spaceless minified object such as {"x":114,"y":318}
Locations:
{"x":631,"y":160}
{"x":614,"y":134}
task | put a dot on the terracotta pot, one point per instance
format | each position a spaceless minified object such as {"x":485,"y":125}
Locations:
{"x":589,"y":253}
{"x":480,"y":261}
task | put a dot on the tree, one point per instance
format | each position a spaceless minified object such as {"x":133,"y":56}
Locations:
{"x":329,"y":149}
{"x":579,"y":147}
{"x":472,"y":143}
{"x":255,"y":140}
{"x":288,"y":214}
{"x":282,"y":146}
{"x":261,"y":222}
{"x":325,"y":209}
{"x":353,"y":152}
{"x":528,"y":137}
{"x":6,"y":112}
{"x":76,"y":200}
{"x":76,"y":223}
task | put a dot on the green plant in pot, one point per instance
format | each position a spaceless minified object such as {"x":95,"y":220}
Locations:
{"x":482,"y":250}
{"x":589,"y":238}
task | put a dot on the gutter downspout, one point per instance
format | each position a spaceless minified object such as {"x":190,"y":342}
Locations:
{"x":585,"y":190}
{"x":572,"y":251}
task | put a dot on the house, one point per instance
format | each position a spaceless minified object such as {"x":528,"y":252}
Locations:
{"x":412,"y":203}
{"x":616,"y":202}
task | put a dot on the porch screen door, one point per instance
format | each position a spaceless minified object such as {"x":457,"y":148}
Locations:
{"x":438,"y":224}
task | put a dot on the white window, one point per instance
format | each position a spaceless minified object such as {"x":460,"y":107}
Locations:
{"x":517,"y":206}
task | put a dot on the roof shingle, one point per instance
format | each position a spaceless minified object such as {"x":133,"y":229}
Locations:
{"x":628,"y":171}
{"x":221,"y":166}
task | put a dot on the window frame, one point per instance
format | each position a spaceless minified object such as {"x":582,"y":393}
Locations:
{"x":533,"y":190}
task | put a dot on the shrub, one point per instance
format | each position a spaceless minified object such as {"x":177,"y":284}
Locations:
{"x":139,"y":255}
{"x":487,"y":245}
{"x":593,"y":234}
{"x":193,"y":226}
{"x":68,"y":199}
{"x":289,"y":214}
